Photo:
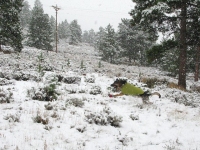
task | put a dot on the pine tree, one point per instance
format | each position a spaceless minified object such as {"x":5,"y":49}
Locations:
{"x":63,"y":30}
{"x":193,"y":34}
{"x":53,"y":27}
{"x":165,"y":55}
{"x":99,"y":39}
{"x":75,"y":33}
{"x":92,"y":37}
{"x":109,"y":45}
{"x":89,"y":37}
{"x":133,"y":41}
{"x":40,"y":30}
{"x":166,"y":17}
{"x":25,"y":15}
{"x":10,"y":30}
{"x":85,"y":37}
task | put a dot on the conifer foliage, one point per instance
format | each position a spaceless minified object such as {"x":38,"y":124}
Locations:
{"x":169,"y":17}
{"x":10,"y":30}
{"x":109,"y":46}
{"x":25,"y":15}
{"x":133,"y":41}
{"x":40,"y":30}
{"x":75,"y":33}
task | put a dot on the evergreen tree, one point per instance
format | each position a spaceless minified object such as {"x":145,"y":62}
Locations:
{"x":133,"y":41}
{"x":89,"y":37}
{"x":85,"y":37}
{"x":166,"y":17}
{"x":193,"y":34}
{"x":25,"y":15}
{"x":99,"y":38}
{"x":165,"y":55}
{"x":10,"y":30}
{"x":63,"y":30}
{"x":92,"y":37}
{"x":53,"y":27}
{"x":75,"y":33}
{"x":109,"y":45}
{"x":40,"y":30}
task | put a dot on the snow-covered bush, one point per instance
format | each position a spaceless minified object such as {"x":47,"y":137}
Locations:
{"x":81,"y":128}
{"x":134,"y":117}
{"x":55,"y":115}
{"x":187,"y":101}
{"x":75,"y":102}
{"x":4,"y":82}
{"x":24,"y":76}
{"x":104,"y":117}
{"x":7,"y":49}
{"x":39,"y":119}
{"x":46,"y":93}
{"x":51,"y":78}
{"x":5,"y":96}
{"x":68,"y":79}
{"x":90,"y":80}
{"x":181,"y":97}
{"x":71,"y":80}
{"x":47,"y":67}
{"x":48,"y":106}
{"x":13,"y":117}
{"x":95,"y":90}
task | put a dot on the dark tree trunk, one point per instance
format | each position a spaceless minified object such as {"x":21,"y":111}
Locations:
{"x":196,"y":75}
{"x":183,"y":48}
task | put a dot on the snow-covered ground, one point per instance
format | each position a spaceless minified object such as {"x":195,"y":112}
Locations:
{"x":83,"y":117}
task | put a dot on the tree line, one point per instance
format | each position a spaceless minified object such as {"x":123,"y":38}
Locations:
{"x":127,"y":44}
{"x":20,"y":25}
{"x":134,"y":41}
{"x":179,"y":19}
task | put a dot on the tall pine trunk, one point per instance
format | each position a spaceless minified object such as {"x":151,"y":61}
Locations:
{"x":196,"y":75}
{"x":183,"y":48}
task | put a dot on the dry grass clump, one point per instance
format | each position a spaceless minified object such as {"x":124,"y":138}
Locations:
{"x":173,"y":85}
{"x":151,"y":82}
{"x":40,"y":119}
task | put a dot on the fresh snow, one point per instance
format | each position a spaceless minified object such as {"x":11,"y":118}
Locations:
{"x":165,"y":125}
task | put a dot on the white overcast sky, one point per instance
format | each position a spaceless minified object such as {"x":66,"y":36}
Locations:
{"x":91,"y":14}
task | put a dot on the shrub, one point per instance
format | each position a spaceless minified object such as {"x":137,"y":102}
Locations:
{"x":55,"y":115}
{"x":47,"y":93}
{"x":90,"y":80}
{"x":75,"y":102}
{"x":71,"y":80}
{"x":50,"y":92}
{"x":40,"y":119}
{"x":95,"y":90}
{"x":151,"y":82}
{"x":13,"y":117}
{"x":104,"y":117}
{"x":134,"y":117}
{"x":175,"y":86}
{"x":5,"y":96}
{"x":4,"y":82}
{"x":48,"y":106}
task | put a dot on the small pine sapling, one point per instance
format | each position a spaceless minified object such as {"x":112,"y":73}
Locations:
{"x":100,"y":64}
{"x":40,"y":60}
{"x":82,"y":65}
{"x":68,"y":62}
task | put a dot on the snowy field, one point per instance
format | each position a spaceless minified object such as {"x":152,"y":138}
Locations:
{"x":83,"y":117}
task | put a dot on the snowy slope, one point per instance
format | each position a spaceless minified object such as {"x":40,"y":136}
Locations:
{"x":83,"y":117}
